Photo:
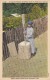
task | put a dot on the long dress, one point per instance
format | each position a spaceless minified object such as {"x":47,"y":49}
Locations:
{"x":30,"y":38}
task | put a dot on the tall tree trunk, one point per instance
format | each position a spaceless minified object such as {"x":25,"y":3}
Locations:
{"x":23,"y":20}
{"x":23,"y":23}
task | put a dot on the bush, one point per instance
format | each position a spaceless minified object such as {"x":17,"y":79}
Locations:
{"x":11,"y":22}
{"x":36,"y":12}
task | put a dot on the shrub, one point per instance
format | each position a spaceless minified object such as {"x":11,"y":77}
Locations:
{"x":11,"y":22}
{"x":36,"y":12}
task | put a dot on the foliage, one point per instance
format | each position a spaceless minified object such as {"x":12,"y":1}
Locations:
{"x":11,"y":22}
{"x":43,"y":5}
{"x":9,"y":8}
{"x":36,"y":12}
{"x":32,"y":11}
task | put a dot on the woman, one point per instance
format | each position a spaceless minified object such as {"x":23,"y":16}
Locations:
{"x":30,"y":36}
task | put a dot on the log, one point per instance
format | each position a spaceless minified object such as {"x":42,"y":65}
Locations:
{"x":12,"y":49}
{"x":24,"y":50}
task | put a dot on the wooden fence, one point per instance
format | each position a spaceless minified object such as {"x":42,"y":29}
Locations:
{"x":40,"y":25}
{"x":16,"y":35}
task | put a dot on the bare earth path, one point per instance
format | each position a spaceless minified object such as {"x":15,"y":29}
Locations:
{"x":34,"y":67}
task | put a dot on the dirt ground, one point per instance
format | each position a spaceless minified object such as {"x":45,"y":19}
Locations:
{"x":36,"y":66}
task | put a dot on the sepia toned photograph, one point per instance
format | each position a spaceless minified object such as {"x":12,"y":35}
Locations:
{"x":25,"y":40}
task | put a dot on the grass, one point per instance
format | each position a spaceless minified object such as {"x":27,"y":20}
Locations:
{"x":37,"y":66}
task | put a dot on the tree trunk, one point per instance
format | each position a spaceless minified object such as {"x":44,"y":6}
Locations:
{"x":23,"y":20}
{"x":23,"y":23}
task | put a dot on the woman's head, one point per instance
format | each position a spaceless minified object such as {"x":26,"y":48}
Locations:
{"x":30,"y":23}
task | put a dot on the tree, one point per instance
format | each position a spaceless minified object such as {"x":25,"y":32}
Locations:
{"x":21,"y":8}
{"x":43,"y":5}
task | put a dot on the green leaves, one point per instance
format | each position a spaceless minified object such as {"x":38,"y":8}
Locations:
{"x":10,"y":8}
{"x":11,"y":22}
{"x":36,"y":12}
{"x":20,"y":8}
{"x":31,"y":10}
